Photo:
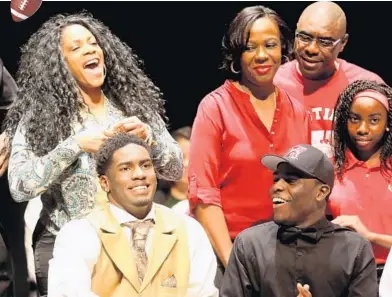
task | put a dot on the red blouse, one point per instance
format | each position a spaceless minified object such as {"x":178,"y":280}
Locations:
{"x":364,"y":192}
{"x":227,"y":143}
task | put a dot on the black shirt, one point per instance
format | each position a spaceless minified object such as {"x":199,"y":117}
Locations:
{"x":269,"y":261}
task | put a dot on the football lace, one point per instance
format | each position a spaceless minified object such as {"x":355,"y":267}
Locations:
{"x":23,"y":4}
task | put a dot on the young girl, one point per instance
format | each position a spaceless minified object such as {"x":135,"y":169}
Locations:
{"x":362,"y":196}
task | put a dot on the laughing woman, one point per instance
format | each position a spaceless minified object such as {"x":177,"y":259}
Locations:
{"x":78,"y":84}
{"x":362,"y":196}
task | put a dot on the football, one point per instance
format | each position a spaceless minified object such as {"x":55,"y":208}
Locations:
{"x":23,"y":9}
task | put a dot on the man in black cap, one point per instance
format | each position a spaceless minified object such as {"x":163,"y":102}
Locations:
{"x":301,"y":253}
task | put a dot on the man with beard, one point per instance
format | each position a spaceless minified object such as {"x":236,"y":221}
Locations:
{"x":131,"y":246}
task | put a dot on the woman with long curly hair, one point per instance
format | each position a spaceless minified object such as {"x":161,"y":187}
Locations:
{"x":236,"y":124}
{"x":362,"y":195}
{"x":78,"y":85}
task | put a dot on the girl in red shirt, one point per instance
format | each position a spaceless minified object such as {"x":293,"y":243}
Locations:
{"x":362,"y":195}
{"x":237,"y":124}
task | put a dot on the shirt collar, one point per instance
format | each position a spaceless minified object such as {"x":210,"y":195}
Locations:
{"x":352,"y":161}
{"x":124,"y":217}
{"x":237,"y":93}
{"x":312,"y":233}
{"x":318,"y":83}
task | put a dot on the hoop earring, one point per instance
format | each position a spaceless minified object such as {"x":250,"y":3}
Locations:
{"x":232,"y":68}
{"x":104,"y":71}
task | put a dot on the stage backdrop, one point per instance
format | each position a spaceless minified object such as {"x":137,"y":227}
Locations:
{"x":180,"y":42}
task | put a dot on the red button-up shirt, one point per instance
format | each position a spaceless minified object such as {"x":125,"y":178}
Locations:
{"x":227,"y":143}
{"x":364,"y":192}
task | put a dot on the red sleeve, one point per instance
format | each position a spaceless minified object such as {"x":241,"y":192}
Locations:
{"x":378,"y":79}
{"x":205,"y":152}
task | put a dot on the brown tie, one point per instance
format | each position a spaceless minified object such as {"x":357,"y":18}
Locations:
{"x":139,"y":237}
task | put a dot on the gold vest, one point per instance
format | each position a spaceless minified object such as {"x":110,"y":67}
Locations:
{"x":115,"y":273}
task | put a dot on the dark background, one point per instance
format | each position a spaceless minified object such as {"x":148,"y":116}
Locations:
{"x":180,"y":42}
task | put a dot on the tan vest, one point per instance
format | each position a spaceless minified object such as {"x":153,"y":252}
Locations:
{"x":115,"y":273}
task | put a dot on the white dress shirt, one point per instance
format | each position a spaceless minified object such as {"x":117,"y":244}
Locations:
{"x":77,"y":249}
{"x":386,"y":278}
{"x":181,"y":207}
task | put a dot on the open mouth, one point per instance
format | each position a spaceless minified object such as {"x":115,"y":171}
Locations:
{"x":92,"y":64}
{"x":279,"y":201}
{"x":140,"y":189}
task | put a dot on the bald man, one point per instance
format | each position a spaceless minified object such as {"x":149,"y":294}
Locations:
{"x":317,"y":77}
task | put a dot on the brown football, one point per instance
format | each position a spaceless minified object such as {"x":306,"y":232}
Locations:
{"x":23,"y":9}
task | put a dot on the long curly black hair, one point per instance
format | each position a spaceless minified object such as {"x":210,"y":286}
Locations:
{"x":341,"y":116}
{"x":48,"y":96}
{"x":237,"y":36}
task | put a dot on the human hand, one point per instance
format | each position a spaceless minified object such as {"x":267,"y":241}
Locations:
{"x":4,"y":157}
{"x":131,"y":125}
{"x":353,"y":222}
{"x":303,"y":291}
{"x":90,"y":140}
{"x":112,"y":130}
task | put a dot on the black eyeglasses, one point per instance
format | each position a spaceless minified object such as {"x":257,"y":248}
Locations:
{"x":321,"y":42}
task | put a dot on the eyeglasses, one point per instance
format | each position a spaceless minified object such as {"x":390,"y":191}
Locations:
{"x":321,"y":42}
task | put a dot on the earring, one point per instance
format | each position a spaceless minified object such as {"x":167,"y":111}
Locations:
{"x":387,"y":129}
{"x":232,"y":68}
{"x":104,"y":71}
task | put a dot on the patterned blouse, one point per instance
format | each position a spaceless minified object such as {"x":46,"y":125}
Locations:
{"x":73,"y":170}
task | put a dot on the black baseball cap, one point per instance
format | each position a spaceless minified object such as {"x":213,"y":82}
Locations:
{"x":307,"y":159}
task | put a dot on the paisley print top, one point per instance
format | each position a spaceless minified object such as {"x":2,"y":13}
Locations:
{"x":72,"y":171}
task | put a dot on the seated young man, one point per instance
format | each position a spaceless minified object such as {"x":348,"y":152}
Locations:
{"x":131,"y":246}
{"x":300,"y":253}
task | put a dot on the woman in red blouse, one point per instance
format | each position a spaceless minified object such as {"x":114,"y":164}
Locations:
{"x":237,"y":124}
{"x":362,"y":196}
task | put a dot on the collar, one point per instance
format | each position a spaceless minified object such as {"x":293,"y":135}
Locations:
{"x":237,"y":93}
{"x":352,"y":161}
{"x":124,"y":217}
{"x":312,"y":234}
{"x":298,"y":74}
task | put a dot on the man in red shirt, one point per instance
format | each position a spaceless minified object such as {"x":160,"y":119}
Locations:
{"x":317,"y":76}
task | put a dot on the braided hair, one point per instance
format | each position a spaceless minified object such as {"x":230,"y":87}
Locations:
{"x":341,"y":116}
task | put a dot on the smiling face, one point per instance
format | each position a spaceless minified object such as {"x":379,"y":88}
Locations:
{"x":316,"y":59}
{"x":130,"y":180}
{"x":262,"y":56}
{"x":83,"y":55}
{"x":366,"y":124}
{"x":296,"y":198}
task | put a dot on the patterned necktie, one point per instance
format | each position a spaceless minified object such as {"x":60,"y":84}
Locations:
{"x":139,"y":237}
